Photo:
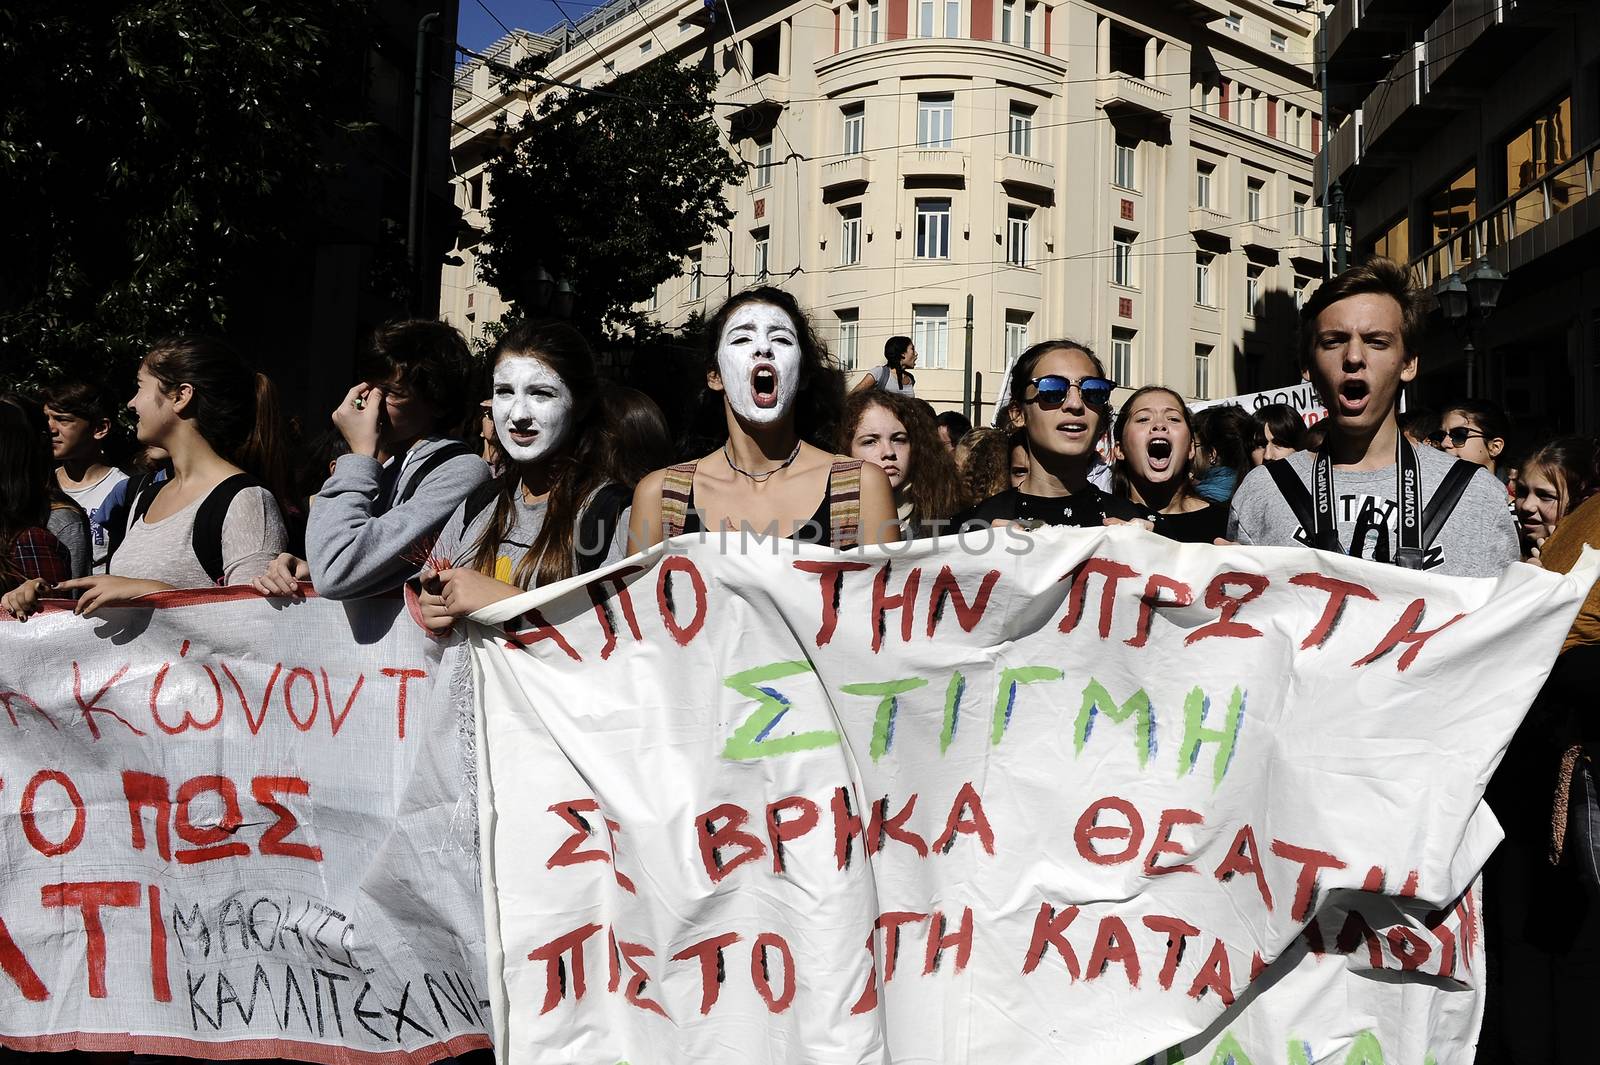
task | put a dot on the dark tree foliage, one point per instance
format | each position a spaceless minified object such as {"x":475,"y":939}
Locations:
{"x":154,"y":154}
{"x":608,"y":190}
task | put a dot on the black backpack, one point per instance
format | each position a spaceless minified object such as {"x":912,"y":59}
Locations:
{"x":206,"y":538}
{"x":596,"y":525}
{"x":453,"y":449}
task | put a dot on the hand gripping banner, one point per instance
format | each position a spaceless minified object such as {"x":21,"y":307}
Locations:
{"x":1075,"y":796}
{"x":236,"y":829}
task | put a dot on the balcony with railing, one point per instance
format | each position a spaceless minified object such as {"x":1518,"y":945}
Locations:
{"x":933,"y":163}
{"x":1125,"y":93}
{"x":1211,"y":222}
{"x":1027,"y":172}
{"x":768,"y":91}
{"x":1401,"y":91}
{"x":851,"y":170}
{"x":1457,"y":29}
{"x":1553,"y":210}
{"x":1341,"y":151}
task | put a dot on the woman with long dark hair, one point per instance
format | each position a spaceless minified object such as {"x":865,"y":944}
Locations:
{"x":1153,"y":453}
{"x":556,"y":509}
{"x":1281,"y":432}
{"x":31,"y":557}
{"x":772,"y":403}
{"x":215,"y":520}
{"x":896,"y":434}
{"x":1064,"y":396}
{"x":1225,"y":437}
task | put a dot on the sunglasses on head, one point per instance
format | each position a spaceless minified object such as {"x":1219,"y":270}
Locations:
{"x":1458,"y":436}
{"x":1051,"y":390}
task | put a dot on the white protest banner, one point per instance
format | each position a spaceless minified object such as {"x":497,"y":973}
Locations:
{"x":1302,"y":397}
{"x":1075,"y":796}
{"x":236,"y":829}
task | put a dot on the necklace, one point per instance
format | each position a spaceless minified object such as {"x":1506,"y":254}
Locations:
{"x":761,"y":477}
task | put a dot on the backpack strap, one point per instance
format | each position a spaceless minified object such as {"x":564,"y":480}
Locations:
{"x":451,"y":449}
{"x":844,"y":504}
{"x":207,"y":536}
{"x":1445,"y":498}
{"x":1294,"y":493}
{"x":676,"y":490}
{"x":477,"y":499}
{"x":140,"y":497}
{"x":597,"y":525}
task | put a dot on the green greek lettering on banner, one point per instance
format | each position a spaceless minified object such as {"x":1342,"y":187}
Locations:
{"x":888,"y":693}
{"x":1005,"y":696}
{"x":749,"y":740}
{"x":1299,"y":1052}
{"x":1195,"y":710}
{"x":1229,"y":1052}
{"x":1365,"y":1050}
{"x":952,"y":709}
{"x":1096,"y":700}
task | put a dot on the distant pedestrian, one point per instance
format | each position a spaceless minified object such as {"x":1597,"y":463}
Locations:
{"x":899,"y":359}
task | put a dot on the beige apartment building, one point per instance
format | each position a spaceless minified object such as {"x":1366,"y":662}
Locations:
{"x":1137,"y":175}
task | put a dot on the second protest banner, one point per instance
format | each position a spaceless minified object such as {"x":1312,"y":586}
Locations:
{"x":1065,"y":796}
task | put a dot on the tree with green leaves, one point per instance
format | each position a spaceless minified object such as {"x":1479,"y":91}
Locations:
{"x":154,"y":156}
{"x":609,"y":189}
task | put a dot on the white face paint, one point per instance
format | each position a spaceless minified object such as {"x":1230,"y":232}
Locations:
{"x":759,"y":360}
{"x":532,"y":408}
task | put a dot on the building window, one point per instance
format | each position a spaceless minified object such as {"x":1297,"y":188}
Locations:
{"x":644,"y":47}
{"x":696,"y":277}
{"x":1395,"y":243}
{"x":938,"y":18}
{"x":1019,"y":220}
{"x":873,"y":9}
{"x":1203,"y":173}
{"x":930,"y":332}
{"x":1252,"y":287}
{"x":855,"y":25}
{"x":1301,"y":205}
{"x":1016,"y":334}
{"x":850,"y":235}
{"x":855,"y":129}
{"x":1202,"y":371}
{"x":1020,"y":140}
{"x":1544,"y":145}
{"x":763,"y":169}
{"x":1301,"y":283}
{"x":763,"y":247}
{"x":936,"y":120}
{"x":1030,"y":23}
{"x":1122,"y":258}
{"x":1125,"y":161}
{"x":1122,"y":355}
{"x":1234,"y":21}
{"x":1253,"y":190}
{"x":933,"y":229}
{"x":1277,"y":41}
{"x":1454,"y":207}
{"x":849,"y":336}
{"x":1008,"y":21}
{"x":1202,"y":278}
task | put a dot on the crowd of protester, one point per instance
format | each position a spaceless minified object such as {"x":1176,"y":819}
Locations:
{"x":480,"y":478}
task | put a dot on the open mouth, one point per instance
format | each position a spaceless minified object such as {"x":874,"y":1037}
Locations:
{"x":1072,"y":428}
{"x":1353,"y":396}
{"x":1159,"y":453}
{"x":764,"y":384}
{"x":523,"y":437}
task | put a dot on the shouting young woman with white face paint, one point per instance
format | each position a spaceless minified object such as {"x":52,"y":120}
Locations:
{"x":773,"y":400}
{"x":555,"y":510}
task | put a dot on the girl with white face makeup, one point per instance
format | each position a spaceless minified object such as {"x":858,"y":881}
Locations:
{"x":772,"y":402}
{"x":556,"y":509}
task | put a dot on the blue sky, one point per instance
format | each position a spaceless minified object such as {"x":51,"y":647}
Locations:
{"x":478,"y":28}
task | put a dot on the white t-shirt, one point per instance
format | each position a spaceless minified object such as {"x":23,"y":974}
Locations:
{"x":90,"y":499}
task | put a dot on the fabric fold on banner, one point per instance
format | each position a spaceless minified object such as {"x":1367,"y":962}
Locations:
{"x":1068,"y":795}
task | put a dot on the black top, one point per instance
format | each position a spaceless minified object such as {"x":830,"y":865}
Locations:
{"x":1196,"y":527}
{"x":1086,"y":508}
{"x":816,"y":531}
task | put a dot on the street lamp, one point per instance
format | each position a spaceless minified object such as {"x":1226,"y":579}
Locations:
{"x":1466,"y":300}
